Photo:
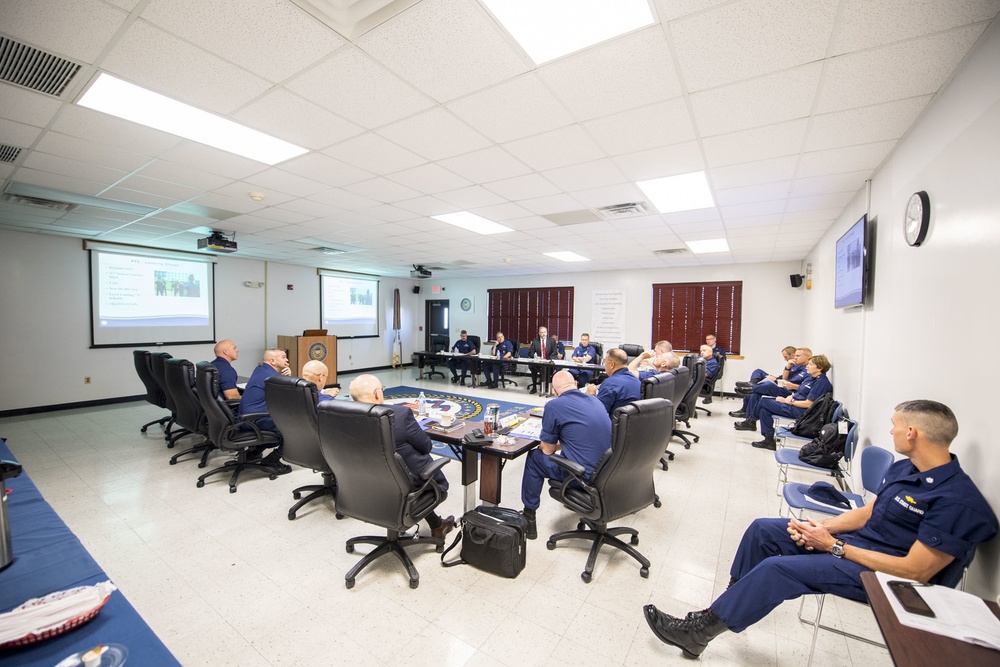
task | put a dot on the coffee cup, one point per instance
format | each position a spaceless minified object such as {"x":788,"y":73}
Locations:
{"x":446,"y":419}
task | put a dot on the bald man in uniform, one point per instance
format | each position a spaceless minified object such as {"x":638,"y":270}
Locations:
{"x":316,"y":372}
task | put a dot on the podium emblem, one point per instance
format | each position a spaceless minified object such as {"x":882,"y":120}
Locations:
{"x":317,"y":352}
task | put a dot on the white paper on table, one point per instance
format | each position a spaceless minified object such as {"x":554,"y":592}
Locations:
{"x":529,"y":429}
{"x":958,"y":615}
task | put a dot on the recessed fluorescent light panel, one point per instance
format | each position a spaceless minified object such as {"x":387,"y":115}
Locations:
{"x":548,"y":29}
{"x":472,"y":222}
{"x":125,"y":100}
{"x":708,"y":245}
{"x":686,"y":192}
{"x":567,"y":256}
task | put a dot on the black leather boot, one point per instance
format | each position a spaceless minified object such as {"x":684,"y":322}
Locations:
{"x":691,"y":635}
{"x":746,"y":425}
{"x":767,"y":443}
{"x":531,"y":531}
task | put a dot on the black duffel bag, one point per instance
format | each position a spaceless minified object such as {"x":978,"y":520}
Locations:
{"x":493,"y":540}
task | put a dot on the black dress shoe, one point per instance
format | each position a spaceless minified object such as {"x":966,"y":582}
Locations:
{"x":691,"y":635}
{"x":447,"y":525}
{"x":746,"y":425}
{"x":531,"y":389}
{"x":273,"y":461}
{"x":454,"y":379}
{"x":531,"y":529}
{"x":744,"y":385}
{"x":739,"y":414}
{"x":767,"y":443}
{"x":708,"y":399}
{"x":744,"y":391}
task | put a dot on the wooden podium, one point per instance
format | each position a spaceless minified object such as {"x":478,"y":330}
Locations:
{"x":307,"y":348}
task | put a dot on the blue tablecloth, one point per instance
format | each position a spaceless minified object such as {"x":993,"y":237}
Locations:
{"x":48,"y":557}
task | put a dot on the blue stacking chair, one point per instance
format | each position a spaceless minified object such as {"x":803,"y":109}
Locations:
{"x":875,"y":462}
{"x":788,"y":457}
{"x":785,"y":437}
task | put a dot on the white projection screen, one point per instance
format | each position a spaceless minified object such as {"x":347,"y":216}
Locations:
{"x":141,"y":296}
{"x":349,"y":304}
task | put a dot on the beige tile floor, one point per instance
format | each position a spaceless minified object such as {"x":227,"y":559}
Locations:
{"x":226,"y":579}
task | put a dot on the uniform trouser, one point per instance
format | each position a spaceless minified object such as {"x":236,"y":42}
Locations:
{"x":537,"y":468}
{"x":758,"y":375}
{"x":492,"y":367}
{"x":768,"y":409}
{"x":455,"y":363}
{"x":752,"y":400}
{"x":769,"y":568}
{"x":581,"y":376}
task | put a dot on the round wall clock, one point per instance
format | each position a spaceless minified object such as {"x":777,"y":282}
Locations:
{"x":917,"y":218}
{"x":465,"y":304}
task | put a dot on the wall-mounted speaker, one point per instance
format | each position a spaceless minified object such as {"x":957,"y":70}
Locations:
{"x":795,"y":279}
{"x":416,"y":289}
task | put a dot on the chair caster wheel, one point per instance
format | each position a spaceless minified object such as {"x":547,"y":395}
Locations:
{"x":687,"y":445}
{"x":349,"y":583}
{"x":173,"y":462}
{"x":581,"y":525}
{"x":550,"y":545}
{"x":296,"y":495}
{"x":634,"y":540}
{"x":644,"y":572}
{"x":657,"y":503}
{"x":232,"y":489}
{"x":439,"y":548}
{"x":663,"y":465}
{"x":414,"y":583}
{"x":272,"y":476}
{"x":200,"y":483}
{"x":291,"y":516}
{"x":142,"y":430}
{"x":697,"y":438}
{"x":350,"y":548}
{"x":203,"y":464}
{"x":339,"y":516}
{"x":586,"y":576}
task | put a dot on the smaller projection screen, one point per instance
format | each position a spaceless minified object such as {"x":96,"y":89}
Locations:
{"x":349,"y":305}
{"x":150,"y":297}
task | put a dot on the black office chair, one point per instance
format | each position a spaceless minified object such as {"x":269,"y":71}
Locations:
{"x":632,"y":350}
{"x":661,"y":385}
{"x":190,"y":415}
{"x":154,"y":393}
{"x":599,"y":376}
{"x":374,"y":484}
{"x":708,"y":389}
{"x":226,"y":430}
{"x":621,"y":484}
{"x":510,"y":367}
{"x":158,"y":364}
{"x":685,"y":408}
{"x":291,"y":402}
{"x":439,"y":343}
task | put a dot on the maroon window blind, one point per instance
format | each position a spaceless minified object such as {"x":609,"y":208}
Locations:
{"x":684,"y":313}
{"x":519,"y":312}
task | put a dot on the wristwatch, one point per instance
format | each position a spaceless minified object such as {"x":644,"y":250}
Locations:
{"x":838,"y":549}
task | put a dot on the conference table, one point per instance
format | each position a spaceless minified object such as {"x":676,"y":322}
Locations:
{"x":48,"y":557}
{"x":548,"y":367}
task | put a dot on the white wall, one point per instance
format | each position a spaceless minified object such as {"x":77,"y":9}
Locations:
{"x":45,"y":322}
{"x":930,"y":330}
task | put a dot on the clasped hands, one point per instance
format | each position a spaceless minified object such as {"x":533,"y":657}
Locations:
{"x":811,"y":535}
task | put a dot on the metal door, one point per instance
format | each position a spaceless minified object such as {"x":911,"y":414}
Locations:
{"x":437,"y":321}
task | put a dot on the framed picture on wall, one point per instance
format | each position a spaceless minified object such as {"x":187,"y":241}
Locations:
{"x":467,"y":304}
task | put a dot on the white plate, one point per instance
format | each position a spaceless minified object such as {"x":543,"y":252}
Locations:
{"x":114,"y":655}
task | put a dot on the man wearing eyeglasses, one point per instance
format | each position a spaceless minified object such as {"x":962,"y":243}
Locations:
{"x":621,"y":387}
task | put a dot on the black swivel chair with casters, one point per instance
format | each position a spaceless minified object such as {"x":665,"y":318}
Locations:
{"x":690,"y":383}
{"x":708,"y":389}
{"x":632,"y":350}
{"x":154,"y":392}
{"x":158,"y":364}
{"x":180,"y":378}
{"x":226,"y":430}
{"x":374,"y":484}
{"x":291,"y":403}
{"x":510,"y":366}
{"x":439,"y":343}
{"x":661,"y":385}
{"x":621,"y":484}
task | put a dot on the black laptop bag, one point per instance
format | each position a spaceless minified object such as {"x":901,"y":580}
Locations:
{"x":493,"y":540}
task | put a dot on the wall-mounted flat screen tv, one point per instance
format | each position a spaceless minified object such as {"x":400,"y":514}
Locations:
{"x":852,"y":266}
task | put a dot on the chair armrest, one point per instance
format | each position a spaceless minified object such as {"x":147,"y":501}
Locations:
{"x":253,"y":416}
{"x":572,"y":467}
{"x":428,"y":470}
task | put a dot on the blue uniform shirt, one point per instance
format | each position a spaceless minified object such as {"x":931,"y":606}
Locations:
{"x":581,"y":352}
{"x":711,"y":367}
{"x":576,"y":421}
{"x":797,"y":373}
{"x":813,"y":387}
{"x":501,"y":349}
{"x":719,"y":351}
{"x":619,"y":389}
{"x":320,"y":397}
{"x":227,"y":374}
{"x":940,"y":507}
{"x":253,"y":395}
{"x":463,"y":346}
{"x":561,"y":350}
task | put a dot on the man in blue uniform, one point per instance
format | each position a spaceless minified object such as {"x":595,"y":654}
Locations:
{"x":793,"y":375}
{"x":275,"y":362}
{"x":463,"y":346}
{"x":560,"y":352}
{"x":412,"y":444}
{"x":711,"y":363}
{"x":792,"y":407}
{"x":621,"y":387}
{"x":225,"y":354}
{"x":926,"y":514}
{"x":503,"y":349}
{"x":317,"y":372}
{"x":574,"y":422}
{"x":584,"y":353}
{"x":712,"y":342}
{"x":760,"y":374}
{"x":650,"y":363}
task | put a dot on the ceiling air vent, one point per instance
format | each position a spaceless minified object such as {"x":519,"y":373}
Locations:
{"x":9,"y":153}
{"x":50,"y":204}
{"x":26,"y":66}
{"x":667,"y":252}
{"x":627,"y":210}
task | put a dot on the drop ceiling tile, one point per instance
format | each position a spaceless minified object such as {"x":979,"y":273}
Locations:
{"x":375,"y":154}
{"x":434,"y":134}
{"x":594,"y":174}
{"x":471,"y":197}
{"x":763,"y":234}
{"x":146,"y":198}
{"x":659,"y":124}
{"x":659,"y":162}
{"x":313,"y":126}
{"x":382,"y":190}
{"x":388,"y":213}
{"x":554,"y":204}
{"x":746,"y":39}
{"x":502,"y":212}
{"x":446,"y":48}
{"x":865,"y":124}
{"x":848,"y":182}
{"x":345,"y":200}
{"x":325,"y":169}
{"x":528,"y":186}
{"x":238,"y":193}
{"x":814,"y":202}
{"x":272,"y":38}
{"x":796,"y":217}
{"x":426,"y":206}
{"x":609,"y":195}
{"x":759,"y":143}
{"x":488,"y":164}
{"x":668,"y":10}
{"x":100,"y":128}
{"x":502,"y":112}
{"x":754,"y":173}
{"x":752,"y":193}
{"x":761,"y":101}
{"x":840,"y":160}
{"x":149,"y":57}
{"x":58,"y":182}
{"x":757,"y":208}
{"x":78,"y":32}
{"x":18,"y":134}
{"x":26,"y":106}
{"x":625,"y":73}
{"x":909,"y":69}
{"x":73,"y":168}
{"x":871,"y":23}
{"x":279,"y":180}
{"x":200,"y":157}
{"x":559,"y":148}
{"x":351,"y":84}
{"x":183,"y":175}
{"x":430,"y":178}
{"x":749,"y":222}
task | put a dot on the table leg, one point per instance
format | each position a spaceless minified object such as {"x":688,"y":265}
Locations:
{"x":470,"y":474}
{"x":489,"y":487}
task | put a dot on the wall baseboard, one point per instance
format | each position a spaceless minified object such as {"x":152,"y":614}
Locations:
{"x":71,"y":406}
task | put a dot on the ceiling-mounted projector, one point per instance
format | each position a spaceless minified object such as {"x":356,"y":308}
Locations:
{"x":216,"y":242}
{"x":420,"y":273}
